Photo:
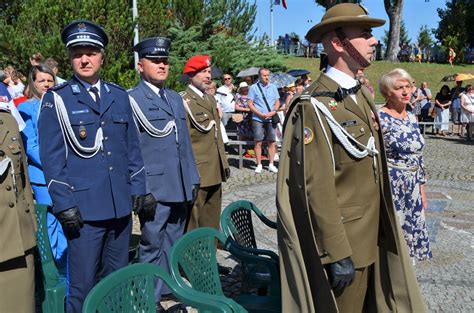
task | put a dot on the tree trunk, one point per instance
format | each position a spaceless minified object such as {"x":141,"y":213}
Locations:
{"x":394,"y":11}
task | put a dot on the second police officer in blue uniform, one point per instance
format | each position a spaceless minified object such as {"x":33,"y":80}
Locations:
{"x":171,"y":172}
{"x":92,"y":163}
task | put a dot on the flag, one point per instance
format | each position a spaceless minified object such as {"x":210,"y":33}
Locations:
{"x":282,"y":2}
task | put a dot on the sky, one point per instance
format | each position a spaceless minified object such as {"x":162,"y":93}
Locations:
{"x":301,"y":15}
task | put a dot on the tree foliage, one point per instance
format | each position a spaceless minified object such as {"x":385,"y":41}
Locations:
{"x":220,"y":28}
{"x":456,"y":25}
{"x":329,"y":3}
{"x":424,"y":39}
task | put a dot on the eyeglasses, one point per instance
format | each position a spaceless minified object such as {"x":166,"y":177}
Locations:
{"x":227,"y":78}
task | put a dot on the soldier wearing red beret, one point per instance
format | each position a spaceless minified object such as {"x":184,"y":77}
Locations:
{"x":206,"y":139}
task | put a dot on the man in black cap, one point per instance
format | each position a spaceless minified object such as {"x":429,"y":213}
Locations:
{"x":341,"y":247}
{"x":92,"y":163}
{"x":171,"y":172}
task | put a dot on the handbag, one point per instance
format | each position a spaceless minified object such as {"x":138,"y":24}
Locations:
{"x":275,"y":118}
{"x":237,"y":117}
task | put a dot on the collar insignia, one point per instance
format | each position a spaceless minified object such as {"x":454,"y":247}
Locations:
{"x":75,"y":89}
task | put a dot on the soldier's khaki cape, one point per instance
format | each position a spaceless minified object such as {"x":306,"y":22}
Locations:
{"x":317,"y":208}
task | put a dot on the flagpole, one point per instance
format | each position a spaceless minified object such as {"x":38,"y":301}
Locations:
{"x":135,"y":30}
{"x":271,"y":23}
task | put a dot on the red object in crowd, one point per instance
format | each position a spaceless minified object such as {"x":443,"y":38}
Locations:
{"x":19,"y":100}
{"x":197,"y":63}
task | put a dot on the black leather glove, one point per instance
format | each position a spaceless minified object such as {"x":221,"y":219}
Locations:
{"x":71,"y":221}
{"x":227,"y":173}
{"x":342,"y":274}
{"x":195,"y":191}
{"x":144,"y":206}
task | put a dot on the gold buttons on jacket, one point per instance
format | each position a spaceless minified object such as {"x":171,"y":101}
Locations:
{"x":11,"y":204}
{"x":8,"y":188}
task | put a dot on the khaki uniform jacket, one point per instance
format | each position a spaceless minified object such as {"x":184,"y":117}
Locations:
{"x":17,"y":213}
{"x":208,"y":148}
{"x":325,"y":216}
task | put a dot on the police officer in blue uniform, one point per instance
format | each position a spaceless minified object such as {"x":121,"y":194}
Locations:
{"x":92,"y":163}
{"x":171,"y":172}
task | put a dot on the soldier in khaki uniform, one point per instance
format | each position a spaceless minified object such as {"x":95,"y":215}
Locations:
{"x":206,"y":139}
{"x":17,"y":222}
{"x":341,"y":247}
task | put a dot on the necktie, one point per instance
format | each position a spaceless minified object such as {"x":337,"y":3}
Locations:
{"x":95,"y":91}
{"x":163,"y":97}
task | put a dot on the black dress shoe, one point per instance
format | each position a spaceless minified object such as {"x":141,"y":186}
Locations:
{"x":177,"y":308}
{"x":160,"y":308}
{"x":223,"y":270}
{"x":169,"y":297}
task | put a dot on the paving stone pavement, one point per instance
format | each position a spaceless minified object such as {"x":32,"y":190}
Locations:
{"x":447,"y":281}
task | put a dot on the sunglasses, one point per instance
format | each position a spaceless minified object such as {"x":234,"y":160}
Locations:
{"x":227,"y":78}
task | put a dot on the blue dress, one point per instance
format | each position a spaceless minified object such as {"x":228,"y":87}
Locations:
{"x":404,"y":145}
{"x":29,"y":112}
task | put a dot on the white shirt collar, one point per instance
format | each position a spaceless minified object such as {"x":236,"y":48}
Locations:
{"x":153,"y":87}
{"x":199,"y":92}
{"x":343,"y":80}
{"x":88,"y":86}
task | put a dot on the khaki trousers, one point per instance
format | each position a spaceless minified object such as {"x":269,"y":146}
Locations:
{"x":353,"y":297}
{"x":17,"y":285}
{"x":206,"y":211}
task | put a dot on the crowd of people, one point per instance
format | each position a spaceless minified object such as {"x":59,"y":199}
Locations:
{"x":351,"y":193}
{"x":455,"y":105}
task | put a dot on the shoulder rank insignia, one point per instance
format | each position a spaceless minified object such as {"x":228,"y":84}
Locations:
{"x":332,"y":105}
{"x":308,"y":135}
{"x":75,"y":89}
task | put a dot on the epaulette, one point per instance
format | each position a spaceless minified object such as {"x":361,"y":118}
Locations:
{"x":60,"y":86}
{"x":114,"y":85}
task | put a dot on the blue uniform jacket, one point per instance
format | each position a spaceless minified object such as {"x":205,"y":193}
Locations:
{"x":100,"y":186}
{"x":29,"y":112}
{"x":170,"y":167}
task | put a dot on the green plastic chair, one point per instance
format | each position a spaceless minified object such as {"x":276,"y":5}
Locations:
{"x":132,"y":289}
{"x":236,"y":223}
{"x":195,"y":255}
{"x":54,"y":282}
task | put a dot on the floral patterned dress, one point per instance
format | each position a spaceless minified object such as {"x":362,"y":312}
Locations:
{"x":404,"y":145}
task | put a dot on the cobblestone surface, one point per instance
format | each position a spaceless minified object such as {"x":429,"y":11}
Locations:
{"x":447,"y":280}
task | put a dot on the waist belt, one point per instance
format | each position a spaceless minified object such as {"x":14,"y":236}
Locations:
{"x":403,"y":168}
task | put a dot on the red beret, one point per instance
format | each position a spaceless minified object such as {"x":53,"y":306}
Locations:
{"x":197,"y":63}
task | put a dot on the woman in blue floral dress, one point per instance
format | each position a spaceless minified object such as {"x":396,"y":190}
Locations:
{"x":404,"y":146}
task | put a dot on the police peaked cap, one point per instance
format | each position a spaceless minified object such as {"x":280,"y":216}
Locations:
{"x":153,"y":48}
{"x":340,"y":15}
{"x":84,"y":33}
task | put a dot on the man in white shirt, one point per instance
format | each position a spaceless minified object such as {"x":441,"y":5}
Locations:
{"x":226,"y":98}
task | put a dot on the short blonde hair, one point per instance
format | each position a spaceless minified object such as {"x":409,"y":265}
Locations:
{"x":387,"y":81}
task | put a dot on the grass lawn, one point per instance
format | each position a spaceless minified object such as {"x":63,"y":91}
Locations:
{"x":431,"y":73}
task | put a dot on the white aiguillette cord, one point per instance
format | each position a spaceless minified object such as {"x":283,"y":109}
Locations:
{"x":343,"y":136}
{"x":68,"y":132}
{"x":198,"y":126}
{"x":148,"y":127}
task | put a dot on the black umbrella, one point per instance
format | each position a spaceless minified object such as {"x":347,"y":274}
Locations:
{"x":297,"y":73}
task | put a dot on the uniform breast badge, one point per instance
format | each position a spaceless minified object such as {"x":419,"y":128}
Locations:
{"x":308,"y":135}
{"x":82,"y":132}
{"x":332,"y":105}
